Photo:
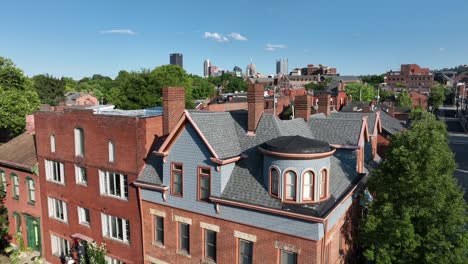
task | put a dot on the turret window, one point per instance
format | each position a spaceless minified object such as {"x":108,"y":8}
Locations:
{"x":274,"y":178}
{"x":323,"y":184}
{"x":290,"y":185}
{"x":308,"y":188}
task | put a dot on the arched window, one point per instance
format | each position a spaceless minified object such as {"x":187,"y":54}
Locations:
{"x":323,"y":184}
{"x":274,"y":178}
{"x":3,"y":179}
{"x":111,"y":151}
{"x":52,"y":143}
{"x":308,"y":188}
{"x":290,"y":178}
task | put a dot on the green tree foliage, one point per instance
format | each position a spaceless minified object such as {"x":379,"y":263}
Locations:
{"x":229,"y":83}
{"x":98,"y":85}
{"x":70,"y":84}
{"x":201,"y":87}
{"x":359,"y":90}
{"x":418,"y":214}
{"x":404,"y":99}
{"x":50,"y":90}
{"x":437,"y":96}
{"x":316,"y":86}
{"x":17,"y":97}
{"x":386,"y":95}
{"x":374,"y":80}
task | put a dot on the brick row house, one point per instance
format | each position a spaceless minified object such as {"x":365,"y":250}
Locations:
{"x":246,"y":187}
{"x":88,"y":159}
{"x":19,"y":179}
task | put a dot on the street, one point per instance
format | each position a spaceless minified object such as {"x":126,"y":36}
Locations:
{"x":459,"y":145}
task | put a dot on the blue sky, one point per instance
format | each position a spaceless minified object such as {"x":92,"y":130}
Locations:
{"x":80,"y":38}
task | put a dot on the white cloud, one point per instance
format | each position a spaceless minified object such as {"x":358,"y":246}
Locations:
{"x":441,"y":49}
{"x":118,"y":31}
{"x":216,"y":36}
{"x":237,"y":36}
{"x":273,"y":47}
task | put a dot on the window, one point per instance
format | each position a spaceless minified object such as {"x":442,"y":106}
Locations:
{"x":159,"y":229}
{"x":245,"y":251}
{"x":177,"y":178}
{"x":31,"y":190}
{"x":204,"y":183}
{"x":308,"y":188}
{"x":210,"y":245}
{"x":111,"y":151}
{"x":110,"y":260}
{"x":274,"y":178}
{"x":55,"y":171}
{"x":323,"y":183}
{"x":290,"y":185}
{"x":4,"y":182}
{"x":17,"y":218}
{"x":59,"y":245}
{"x":288,"y":257}
{"x":83,"y":216}
{"x":79,"y":142}
{"x":15,"y":180}
{"x":57,"y":209}
{"x":116,"y":228}
{"x":113,"y":184}
{"x":184,"y":237}
{"x":80,"y":175}
{"x":52,"y":143}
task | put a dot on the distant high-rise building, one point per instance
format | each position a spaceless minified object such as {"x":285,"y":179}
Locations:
{"x":282,"y":66}
{"x":176,"y":59}
{"x":251,"y":70}
{"x":237,"y":71}
{"x":206,"y":68}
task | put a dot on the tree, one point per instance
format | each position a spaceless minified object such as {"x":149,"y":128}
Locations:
{"x":418,"y":214}
{"x":374,"y":80}
{"x":360,"y":92}
{"x":404,"y":99}
{"x":201,"y":87}
{"x":229,"y":82}
{"x":173,"y":75}
{"x":17,"y":98}
{"x":50,"y":90}
{"x":437,"y":96}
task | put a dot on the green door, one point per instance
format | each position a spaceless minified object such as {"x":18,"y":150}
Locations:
{"x":33,"y":233}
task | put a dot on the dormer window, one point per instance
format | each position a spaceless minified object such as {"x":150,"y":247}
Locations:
{"x":323,"y":184}
{"x":274,"y":180}
{"x":308,"y":186}
{"x":290,"y":178}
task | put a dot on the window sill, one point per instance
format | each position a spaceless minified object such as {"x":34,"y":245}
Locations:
{"x":58,"y":219}
{"x":183,"y":253}
{"x":56,"y":182}
{"x":85,"y":224}
{"x":114,"y":197}
{"x":208,"y":261}
{"x":82,"y":184}
{"x":158,"y":244}
{"x":117,"y":240}
{"x":32,"y":203}
{"x":15,"y":198}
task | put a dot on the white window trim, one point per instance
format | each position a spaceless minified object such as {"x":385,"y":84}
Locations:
{"x":57,"y":243}
{"x":4,"y":183}
{"x":110,"y":260}
{"x":79,"y":176}
{"x":107,"y":228}
{"x":52,"y":203}
{"x":82,"y":216}
{"x":111,"y":149}
{"x":52,"y":143}
{"x":50,"y":170}
{"x":79,"y":151}
{"x":104,"y":185}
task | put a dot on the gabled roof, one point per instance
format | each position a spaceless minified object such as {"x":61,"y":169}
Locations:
{"x":337,"y":130}
{"x":390,"y":124}
{"x":372,"y":118}
{"x":19,"y":152}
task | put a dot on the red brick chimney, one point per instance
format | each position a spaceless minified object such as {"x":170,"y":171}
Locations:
{"x":173,"y":107}
{"x":302,"y":107}
{"x":324,"y":104}
{"x":255,"y":103}
{"x":30,"y":124}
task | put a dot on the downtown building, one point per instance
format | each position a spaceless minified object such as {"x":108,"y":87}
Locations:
{"x":410,"y":76}
{"x":176,"y":59}
{"x":282,"y":66}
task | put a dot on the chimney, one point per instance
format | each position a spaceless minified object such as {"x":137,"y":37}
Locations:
{"x":255,"y":103}
{"x":30,"y":124}
{"x":173,"y":107}
{"x":324,"y":103}
{"x":302,"y":105}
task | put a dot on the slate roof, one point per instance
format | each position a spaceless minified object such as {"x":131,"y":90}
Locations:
{"x":390,"y":124}
{"x":246,"y":181}
{"x":20,"y":150}
{"x":336,"y":130}
{"x":371,"y":117}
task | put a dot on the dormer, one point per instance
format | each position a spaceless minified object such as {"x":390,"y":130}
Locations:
{"x":297,"y":169}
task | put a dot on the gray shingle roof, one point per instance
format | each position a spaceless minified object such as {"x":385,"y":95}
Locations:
{"x":371,"y":117}
{"x":336,"y":130}
{"x":390,"y":124}
{"x":152,"y":171}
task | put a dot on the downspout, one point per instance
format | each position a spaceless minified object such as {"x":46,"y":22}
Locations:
{"x":142,"y":225}
{"x":324,"y":243}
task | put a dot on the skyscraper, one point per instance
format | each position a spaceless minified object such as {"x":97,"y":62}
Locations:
{"x":206,"y":68}
{"x":176,"y":59}
{"x":282,"y":66}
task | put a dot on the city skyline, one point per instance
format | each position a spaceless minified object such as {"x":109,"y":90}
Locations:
{"x":76,"y":41}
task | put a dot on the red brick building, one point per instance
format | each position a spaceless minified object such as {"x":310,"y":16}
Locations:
{"x":19,"y":179}
{"x":410,"y":76}
{"x":88,"y":160}
{"x":419,"y":99}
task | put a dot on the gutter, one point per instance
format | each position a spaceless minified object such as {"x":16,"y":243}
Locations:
{"x":17,"y":165}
